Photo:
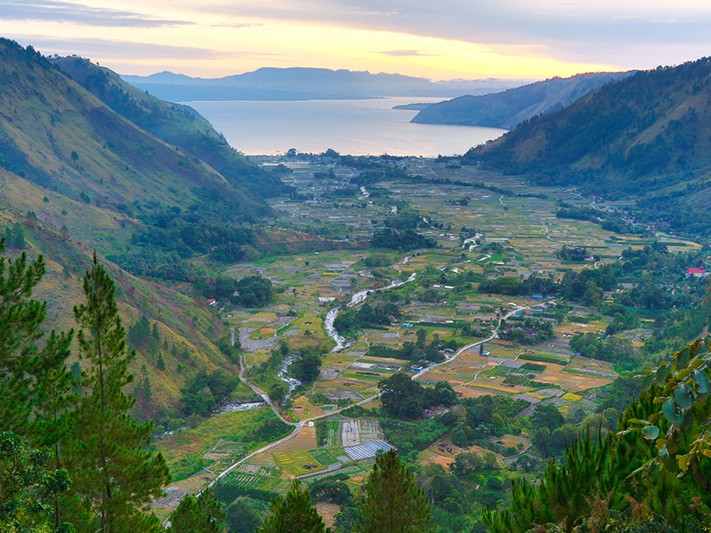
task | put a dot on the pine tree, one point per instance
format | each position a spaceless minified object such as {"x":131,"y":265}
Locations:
{"x":393,"y":502}
{"x":114,"y":476}
{"x":20,"y":320}
{"x":33,"y":391}
{"x":55,"y":399}
{"x":54,"y":393}
{"x":294,"y":514}
{"x":144,"y":397}
{"x":203,"y":514}
{"x":26,"y":483}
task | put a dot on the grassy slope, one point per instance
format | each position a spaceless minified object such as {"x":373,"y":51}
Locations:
{"x":178,"y":125}
{"x":44,"y":116}
{"x":58,"y":135}
{"x":181,"y":322}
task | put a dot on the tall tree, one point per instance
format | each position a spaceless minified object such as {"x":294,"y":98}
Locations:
{"x":20,"y":320}
{"x":35,"y":396}
{"x":294,"y":513}
{"x":115,"y":476}
{"x":401,"y":396}
{"x":201,"y":514}
{"x":393,"y":502}
{"x":55,"y":399}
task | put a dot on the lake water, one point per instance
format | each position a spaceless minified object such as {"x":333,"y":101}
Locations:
{"x":355,"y":127}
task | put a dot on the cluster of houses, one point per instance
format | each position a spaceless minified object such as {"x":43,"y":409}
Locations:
{"x":538,"y":308}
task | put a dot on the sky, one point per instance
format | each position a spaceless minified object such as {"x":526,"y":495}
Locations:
{"x":438,"y":39}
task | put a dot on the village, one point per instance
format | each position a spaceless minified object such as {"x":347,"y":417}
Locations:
{"x":503,"y":342}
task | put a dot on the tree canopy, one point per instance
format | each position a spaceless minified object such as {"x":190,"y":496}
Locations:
{"x":393,"y":502}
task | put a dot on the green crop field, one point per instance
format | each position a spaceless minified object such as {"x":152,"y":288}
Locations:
{"x":298,"y":462}
{"x":323,"y":456}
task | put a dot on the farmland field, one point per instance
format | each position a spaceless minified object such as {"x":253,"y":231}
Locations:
{"x":517,"y":236}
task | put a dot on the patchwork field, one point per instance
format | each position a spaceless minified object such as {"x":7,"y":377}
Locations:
{"x":504,"y":228}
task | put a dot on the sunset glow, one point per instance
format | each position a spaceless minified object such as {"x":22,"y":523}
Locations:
{"x":452,"y":40}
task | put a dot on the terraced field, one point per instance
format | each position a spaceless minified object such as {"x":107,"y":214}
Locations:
{"x":518,"y":236}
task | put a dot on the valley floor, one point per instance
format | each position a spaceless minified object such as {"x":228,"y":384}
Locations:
{"x":486,"y":227}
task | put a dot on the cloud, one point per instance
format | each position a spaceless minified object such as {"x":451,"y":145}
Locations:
{"x":598,"y":31}
{"x":109,"y":49}
{"x":404,"y":53}
{"x":61,"y":11}
{"x":237,"y":25}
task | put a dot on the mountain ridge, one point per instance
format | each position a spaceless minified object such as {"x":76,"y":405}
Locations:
{"x":509,"y":108}
{"x":648,"y":136}
{"x":303,"y":83}
{"x":178,"y":125}
{"x":76,"y":176}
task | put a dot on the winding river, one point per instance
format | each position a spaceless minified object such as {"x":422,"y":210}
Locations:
{"x":291,"y":382}
{"x":358,"y":298}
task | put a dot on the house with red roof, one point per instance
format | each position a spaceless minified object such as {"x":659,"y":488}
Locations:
{"x":696,"y":272}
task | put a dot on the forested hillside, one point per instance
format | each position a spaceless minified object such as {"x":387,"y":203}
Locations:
{"x":79,"y":176}
{"x":648,"y":135}
{"x":509,"y":108}
{"x":56,"y":135}
{"x":178,"y":125}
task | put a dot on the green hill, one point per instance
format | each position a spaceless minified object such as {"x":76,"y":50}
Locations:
{"x":77,"y":176}
{"x":59,"y":136}
{"x":175,"y":124}
{"x":509,"y":108}
{"x":648,"y":136}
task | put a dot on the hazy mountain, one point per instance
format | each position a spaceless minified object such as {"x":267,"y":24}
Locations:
{"x":509,"y":108}
{"x":307,"y":83}
{"x":647,"y":135}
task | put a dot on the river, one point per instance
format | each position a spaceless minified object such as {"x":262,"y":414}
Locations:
{"x":358,"y":298}
{"x":283,"y":375}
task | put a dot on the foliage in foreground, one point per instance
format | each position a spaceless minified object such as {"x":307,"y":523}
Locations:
{"x":202,"y":513}
{"x":393,"y":501}
{"x":654,"y":474}
{"x":72,"y":457}
{"x":294,"y":513}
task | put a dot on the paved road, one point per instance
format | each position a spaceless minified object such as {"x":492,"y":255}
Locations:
{"x":294,"y":433}
{"x":459,"y":352}
{"x":299,"y":425}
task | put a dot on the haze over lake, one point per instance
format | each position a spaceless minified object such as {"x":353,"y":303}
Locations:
{"x":356,"y":127}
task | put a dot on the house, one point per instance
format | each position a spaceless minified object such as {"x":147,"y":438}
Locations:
{"x":696,"y":272}
{"x":212,"y":302}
